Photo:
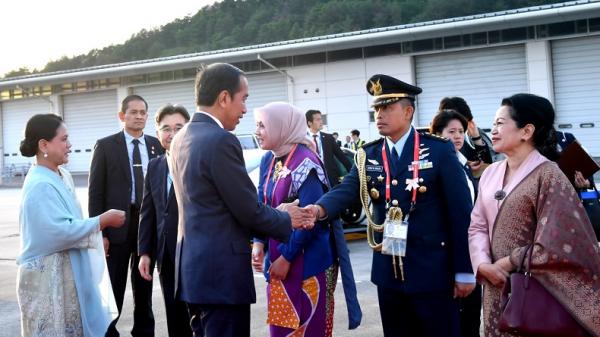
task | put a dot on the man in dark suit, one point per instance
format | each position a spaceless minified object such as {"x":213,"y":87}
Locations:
{"x":418,"y":175}
{"x":336,"y":137}
{"x":157,"y":236}
{"x":326,"y":147}
{"x":218,"y":209}
{"x":116,"y":181}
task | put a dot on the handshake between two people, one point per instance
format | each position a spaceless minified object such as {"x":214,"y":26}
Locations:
{"x":302,"y":217}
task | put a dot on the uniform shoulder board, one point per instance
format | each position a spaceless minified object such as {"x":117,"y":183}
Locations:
{"x":433,"y":136}
{"x":373,"y":142}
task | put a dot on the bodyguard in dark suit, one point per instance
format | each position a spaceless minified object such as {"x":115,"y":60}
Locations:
{"x":116,"y":181}
{"x":218,"y":210}
{"x":326,"y":147}
{"x":159,"y":216}
{"x":418,"y":174}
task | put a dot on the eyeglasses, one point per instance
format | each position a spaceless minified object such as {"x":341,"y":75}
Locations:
{"x":169,"y":130}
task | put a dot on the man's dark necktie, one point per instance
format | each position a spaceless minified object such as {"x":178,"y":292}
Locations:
{"x":138,"y":172}
{"x":396,"y":158}
{"x":317,"y":144}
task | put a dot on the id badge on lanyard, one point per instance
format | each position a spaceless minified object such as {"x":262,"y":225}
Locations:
{"x":395,"y":228}
{"x":395,"y":233}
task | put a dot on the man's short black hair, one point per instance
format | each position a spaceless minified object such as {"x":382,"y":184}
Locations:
{"x":458,"y":104}
{"x":131,"y":98}
{"x":171,"y":109}
{"x":310,"y":114}
{"x":355,"y":133}
{"x":213,"y":79}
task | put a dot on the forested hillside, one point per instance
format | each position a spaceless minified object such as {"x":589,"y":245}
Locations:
{"x":240,"y":23}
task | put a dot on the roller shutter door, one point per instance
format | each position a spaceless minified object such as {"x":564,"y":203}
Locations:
{"x":576,"y":71}
{"x":263,"y":88}
{"x":181,"y":93}
{"x":482,"y":77}
{"x":15,"y":115}
{"x":89,"y":117}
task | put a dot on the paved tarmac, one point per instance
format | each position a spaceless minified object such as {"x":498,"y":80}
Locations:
{"x":360,"y":254}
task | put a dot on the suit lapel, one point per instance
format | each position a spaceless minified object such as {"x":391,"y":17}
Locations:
{"x":151,"y":148}
{"x":161,"y":180}
{"x":325,"y":153}
{"x":122,"y":155}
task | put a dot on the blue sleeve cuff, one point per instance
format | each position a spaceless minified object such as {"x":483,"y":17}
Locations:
{"x":464,"y":278}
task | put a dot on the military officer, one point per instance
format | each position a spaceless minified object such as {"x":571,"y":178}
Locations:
{"x":421,"y":202}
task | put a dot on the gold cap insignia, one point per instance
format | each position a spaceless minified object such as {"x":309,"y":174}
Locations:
{"x":376,"y":88}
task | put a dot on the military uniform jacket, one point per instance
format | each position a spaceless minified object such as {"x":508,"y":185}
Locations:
{"x":437,"y":244}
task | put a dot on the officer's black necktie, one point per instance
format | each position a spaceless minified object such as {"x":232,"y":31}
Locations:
{"x":138,"y":173}
{"x":395,"y":158}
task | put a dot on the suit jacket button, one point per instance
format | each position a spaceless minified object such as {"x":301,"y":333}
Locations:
{"x":443,"y":243}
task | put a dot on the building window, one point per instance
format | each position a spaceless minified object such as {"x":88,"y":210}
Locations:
{"x":514,"y":34}
{"x":301,"y":60}
{"x":561,"y":28}
{"x":453,"y":41}
{"x":594,"y":25}
{"x":346,"y":54}
{"x":383,"y":50}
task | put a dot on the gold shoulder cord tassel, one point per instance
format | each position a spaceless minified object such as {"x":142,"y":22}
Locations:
{"x":395,"y":213}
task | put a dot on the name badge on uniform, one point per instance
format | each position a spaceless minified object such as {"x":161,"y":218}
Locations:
{"x":395,"y":233}
{"x":423,"y":165}
{"x":374,"y":168}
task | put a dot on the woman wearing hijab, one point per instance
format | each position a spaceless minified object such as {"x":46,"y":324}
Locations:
{"x":301,"y":273}
{"x":62,"y":282}
{"x":526,"y":201}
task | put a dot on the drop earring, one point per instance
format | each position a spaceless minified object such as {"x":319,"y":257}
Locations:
{"x":45,"y":155}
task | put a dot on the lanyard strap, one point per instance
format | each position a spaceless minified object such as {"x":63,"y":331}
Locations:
{"x":287,"y":160}
{"x":414,"y":164}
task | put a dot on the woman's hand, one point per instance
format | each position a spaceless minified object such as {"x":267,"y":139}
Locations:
{"x":112,"y":218}
{"x":580,"y":181}
{"x":474,"y":165}
{"x":279,"y":269}
{"x":493,"y":274}
{"x":472,"y":129}
{"x":258,"y":256}
{"x":505,"y":264}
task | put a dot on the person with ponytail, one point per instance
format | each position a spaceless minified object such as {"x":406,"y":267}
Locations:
{"x":525,"y":201}
{"x":63,"y":287}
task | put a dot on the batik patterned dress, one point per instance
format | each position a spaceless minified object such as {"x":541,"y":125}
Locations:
{"x":540,"y":208}
{"x":302,"y":304}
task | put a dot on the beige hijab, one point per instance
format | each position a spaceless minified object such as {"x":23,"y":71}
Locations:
{"x":285,"y":126}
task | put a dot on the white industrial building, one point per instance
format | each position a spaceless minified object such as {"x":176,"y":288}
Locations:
{"x":552,"y":51}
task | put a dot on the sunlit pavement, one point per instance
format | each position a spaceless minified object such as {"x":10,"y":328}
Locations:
{"x":9,"y":312}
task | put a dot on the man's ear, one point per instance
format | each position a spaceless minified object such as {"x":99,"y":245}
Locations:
{"x":410,"y":112}
{"x":224,"y":98}
{"x":121,"y":116}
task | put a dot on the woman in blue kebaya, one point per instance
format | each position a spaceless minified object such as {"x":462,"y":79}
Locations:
{"x":62,"y":283}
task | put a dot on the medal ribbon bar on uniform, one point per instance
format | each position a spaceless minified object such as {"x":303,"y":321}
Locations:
{"x":415,"y":164}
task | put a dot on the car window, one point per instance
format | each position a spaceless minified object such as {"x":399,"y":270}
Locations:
{"x":248,"y":142}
